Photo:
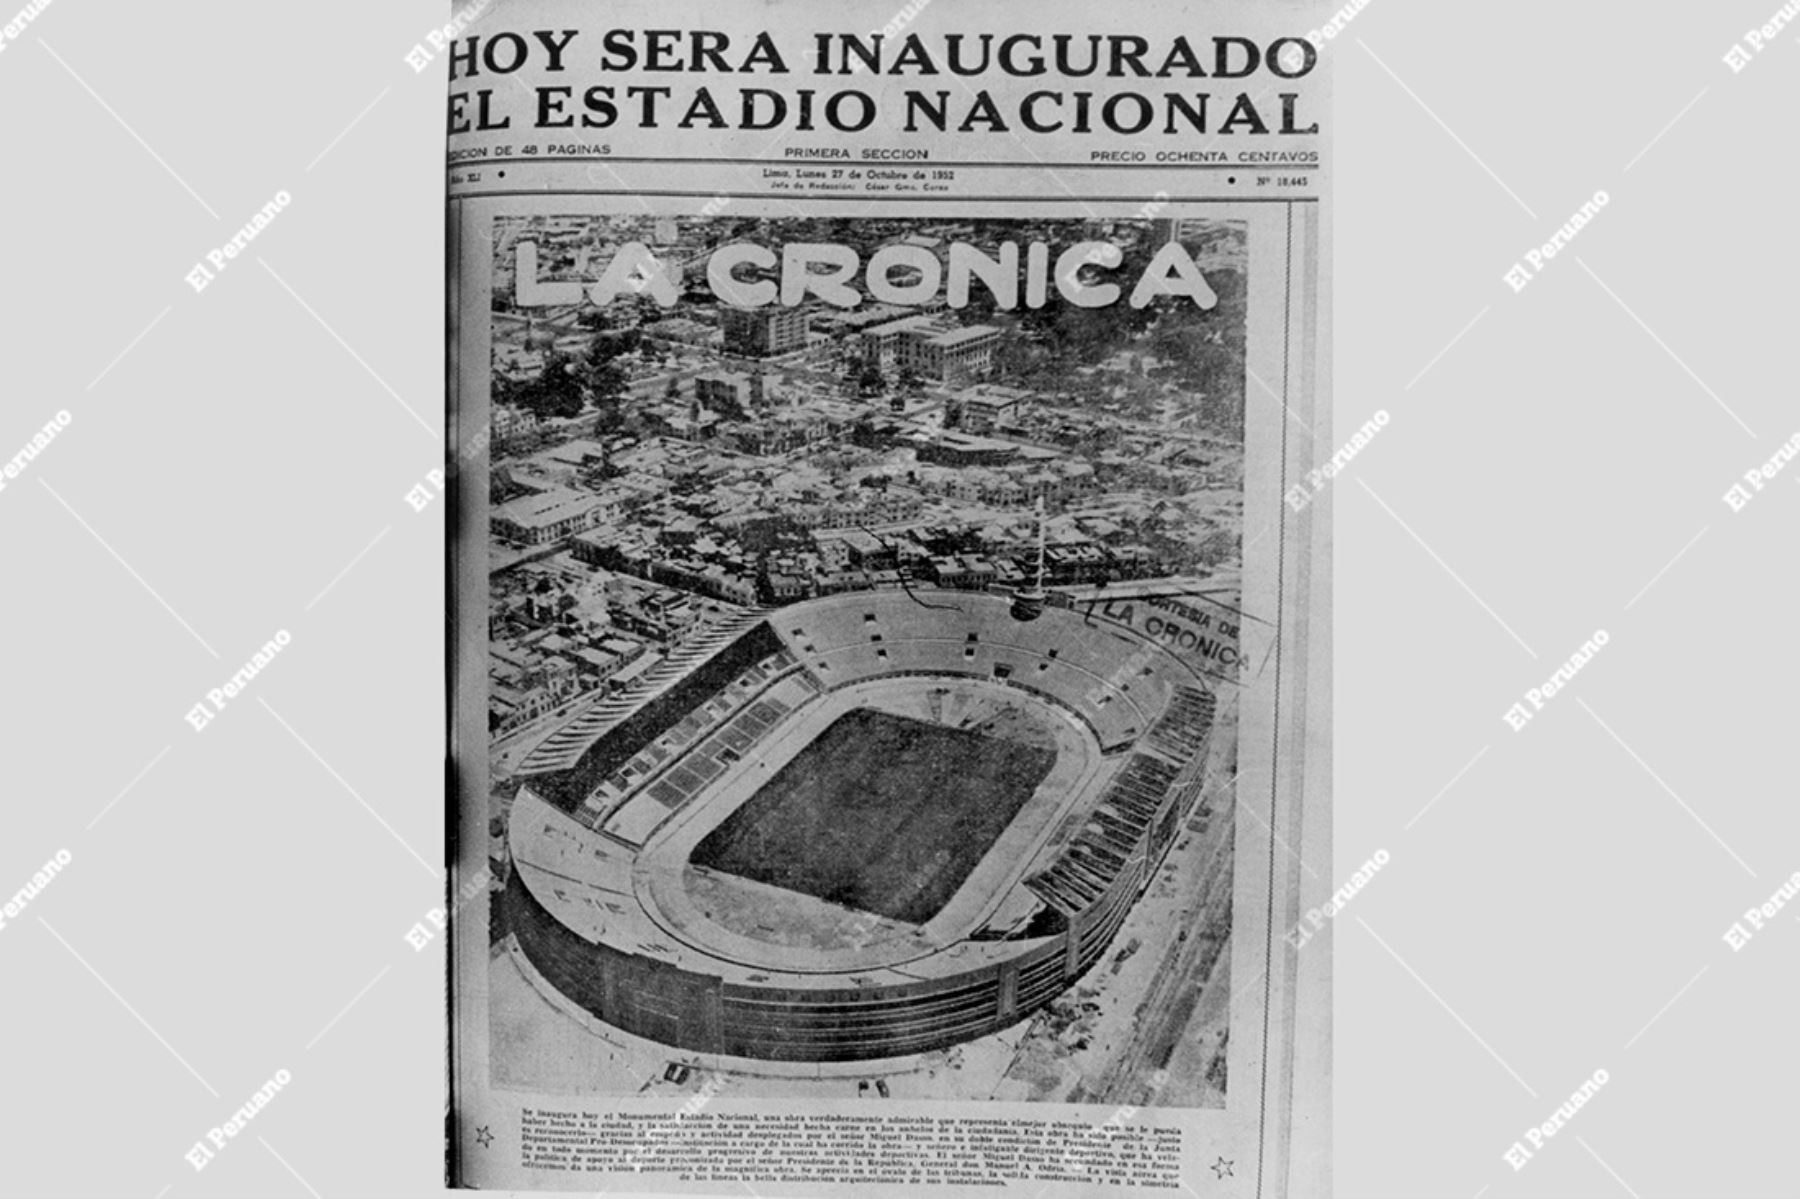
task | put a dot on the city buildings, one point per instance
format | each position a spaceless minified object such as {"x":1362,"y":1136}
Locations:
{"x":763,"y":332}
{"x":546,"y":517}
{"x":988,"y":406}
{"x":932,"y":347}
{"x":733,"y":390}
{"x":731,"y":485}
{"x":949,"y":355}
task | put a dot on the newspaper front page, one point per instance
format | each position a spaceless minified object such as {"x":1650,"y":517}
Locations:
{"x":890,"y":598}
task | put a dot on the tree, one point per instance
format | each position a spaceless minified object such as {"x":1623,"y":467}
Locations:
{"x":864,"y":435}
{"x":555,"y":393}
{"x":643,"y":309}
{"x":870,"y":382}
{"x":506,"y":391}
{"x":851,"y":365}
{"x":604,"y":384}
{"x":1204,"y":351}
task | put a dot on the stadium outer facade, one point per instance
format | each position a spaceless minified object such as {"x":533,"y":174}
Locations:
{"x":606,"y":911}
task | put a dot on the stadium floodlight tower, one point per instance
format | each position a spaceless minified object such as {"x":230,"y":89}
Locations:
{"x":1029,"y":603}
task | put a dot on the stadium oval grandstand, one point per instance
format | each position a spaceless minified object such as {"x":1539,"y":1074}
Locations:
{"x":858,"y":827}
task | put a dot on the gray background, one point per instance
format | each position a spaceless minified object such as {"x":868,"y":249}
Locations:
{"x":1556,"y":897}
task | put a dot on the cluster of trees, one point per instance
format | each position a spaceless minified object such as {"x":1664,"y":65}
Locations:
{"x":866,"y":379}
{"x":863,"y":378}
{"x":569,"y":384}
{"x":1205,"y":351}
{"x":553,"y":392}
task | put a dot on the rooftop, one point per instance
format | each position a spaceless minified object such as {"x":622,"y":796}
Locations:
{"x":545,"y":508}
{"x":957,"y":337}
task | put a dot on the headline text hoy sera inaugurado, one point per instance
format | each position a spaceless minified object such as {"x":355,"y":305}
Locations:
{"x":599,"y":105}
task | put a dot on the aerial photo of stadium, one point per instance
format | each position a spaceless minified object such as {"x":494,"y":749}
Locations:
{"x":943,"y":790}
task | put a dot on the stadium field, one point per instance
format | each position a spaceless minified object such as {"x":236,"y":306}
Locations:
{"x":881,"y":813}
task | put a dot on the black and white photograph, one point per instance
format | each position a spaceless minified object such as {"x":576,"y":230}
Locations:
{"x":875,"y":599}
{"x":889,"y":712}
{"x":863,"y":680}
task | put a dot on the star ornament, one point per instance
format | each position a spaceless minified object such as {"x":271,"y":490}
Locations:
{"x":1222,"y":1168}
{"x":484,"y":1136}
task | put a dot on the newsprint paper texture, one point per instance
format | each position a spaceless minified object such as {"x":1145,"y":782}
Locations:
{"x":890,"y":598}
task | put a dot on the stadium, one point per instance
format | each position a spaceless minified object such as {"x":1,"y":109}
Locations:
{"x":858,"y":827}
